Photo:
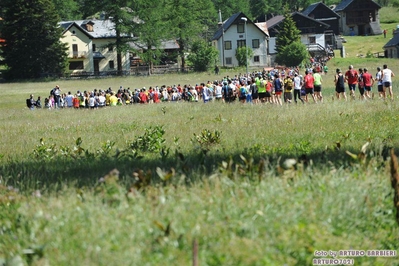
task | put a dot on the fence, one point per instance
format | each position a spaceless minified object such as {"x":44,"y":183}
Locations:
{"x":134,"y":71}
{"x":379,"y":54}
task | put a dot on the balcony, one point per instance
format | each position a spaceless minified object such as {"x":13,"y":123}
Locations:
{"x":357,"y":20}
{"x":78,"y":54}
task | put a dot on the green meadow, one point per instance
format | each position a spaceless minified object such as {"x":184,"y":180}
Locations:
{"x":173,"y":183}
{"x":250,"y":184}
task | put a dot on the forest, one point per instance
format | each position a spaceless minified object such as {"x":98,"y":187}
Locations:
{"x":82,"y":9}
{"x":32,"y":34}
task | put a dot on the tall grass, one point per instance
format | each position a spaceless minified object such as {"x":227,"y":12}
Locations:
{"x":277,"y":184}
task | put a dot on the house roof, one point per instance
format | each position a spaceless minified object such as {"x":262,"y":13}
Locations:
{"x":230,"y":21}
{"x":165,"y":45}
{"x":273,"y":22}
{"x":312,"y":19}
{"x":102,"y":29}
{"x":345,"y":3}
{"x":98,"y":55}
{"x":171,"y":44}
{"x":66,"y":25}
{"x":263,"y":27}
{"x":312,"y":7}
{"x":393,"y":41}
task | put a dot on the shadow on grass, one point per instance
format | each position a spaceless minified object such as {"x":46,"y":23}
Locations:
{"x":193,"y":166}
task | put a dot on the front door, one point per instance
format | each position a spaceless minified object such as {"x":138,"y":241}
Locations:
{"x":96,"y":67}
{"x":360,"y":29}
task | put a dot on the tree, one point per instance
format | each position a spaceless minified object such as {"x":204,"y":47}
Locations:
{"x":32,"y":35}
{"x":263,"y":7}
{"x":202,"y":55}
{"x":150,"y":30}
{"x":189,"y":20}
{"x":287,"y":32}
{"x":242,"y":54}
{"x":88,"y":8}
{"x":230,"y":7}
{"x":293,"y":54}
{"x":122,"y":17}
{"x":68,"y":9}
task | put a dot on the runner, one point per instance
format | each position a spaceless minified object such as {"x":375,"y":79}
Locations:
{"x":351,"y":76}
{"x":386,"y":77}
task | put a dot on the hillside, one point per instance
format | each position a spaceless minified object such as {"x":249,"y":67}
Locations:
{"x":360,"y":46}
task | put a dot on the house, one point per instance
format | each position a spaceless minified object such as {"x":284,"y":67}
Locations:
{"x":359,"y":17}
{"x":234,"y":33}
{"x":323,"y":13}
{"x":391,"y":48}
{"x":169,"y":55}
{"x":91,"y":46}
{"x":312,"y":34}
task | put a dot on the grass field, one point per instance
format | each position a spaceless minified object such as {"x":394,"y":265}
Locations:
{"x":242,"y":184}
{"x":224,"y":192}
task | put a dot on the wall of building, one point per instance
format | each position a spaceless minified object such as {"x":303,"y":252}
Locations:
{"x":103,"y":46}
{"x":232,"y":35}
{"x":84,"y":43}
{"x":319,"y":38}
{"x":392,"y":52}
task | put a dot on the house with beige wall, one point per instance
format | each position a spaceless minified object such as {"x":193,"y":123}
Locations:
{"x":91,"y":45}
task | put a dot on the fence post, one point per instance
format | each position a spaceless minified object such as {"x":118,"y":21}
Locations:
{"x":195,"y":252}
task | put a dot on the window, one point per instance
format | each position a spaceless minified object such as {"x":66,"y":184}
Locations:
{"x":75,"y":51}
{"x":110,"y":48}
{"x":228,"y":60}
{"x":256,"y":58}
{"x":255,"y":43}
{"x":240,"y":28}
{"x":76,"y":65}
{"x":312,"y":40}
{"x":94,"y":47}
{"x":227,"y":45}
{"x":111,"y":64}
{"x":73,"y":32}
{"x":241,"y":43}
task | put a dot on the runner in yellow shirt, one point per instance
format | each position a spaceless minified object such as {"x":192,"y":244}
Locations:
{"x":317,"y":85}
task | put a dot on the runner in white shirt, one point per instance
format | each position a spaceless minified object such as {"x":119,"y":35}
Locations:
{"x":387,"y":75}
{"x":218,"y":91}
{"x":380,"y":87}
{"x":297,"y":88}
{"x":69,"y":100}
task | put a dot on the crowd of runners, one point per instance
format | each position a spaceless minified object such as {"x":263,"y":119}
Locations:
{"x":276,"y":86}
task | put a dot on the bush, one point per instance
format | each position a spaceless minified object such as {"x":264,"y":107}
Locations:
{"x":241,"y":55}
{"x":202,"y":56}
{"x":293,"y":54}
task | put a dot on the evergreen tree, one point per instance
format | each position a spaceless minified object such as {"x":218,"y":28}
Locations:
{"x":262,"y":8}
{"x":122,"y":17}
{"x":89,"y":8}
{"x":243,"y":54}
{"x":150,"y":30}
{"x":202,"y":55}
{"x":287,"y":32}
{"x":293,"y":54}
{"x":68,"y":9}
{"x":188,"y":21}
{"x":32,"y":35}
{"x":230,"y":7}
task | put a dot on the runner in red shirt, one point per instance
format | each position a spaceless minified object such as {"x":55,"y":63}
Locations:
{"x":351,"y":77}
{"x":368,"y":81}
{"x":309,"y":86}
